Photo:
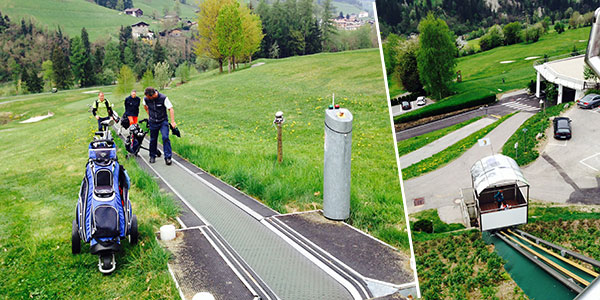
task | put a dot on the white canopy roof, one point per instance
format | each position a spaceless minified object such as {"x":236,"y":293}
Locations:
{"x":495,"y":171}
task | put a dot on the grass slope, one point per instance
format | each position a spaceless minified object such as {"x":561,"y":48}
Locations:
{"x":227,"y":129}
{"x":41,"y":168}
{"x":72,"y":15}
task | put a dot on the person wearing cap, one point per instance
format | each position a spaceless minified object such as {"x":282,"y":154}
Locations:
{"x":132,"y":107}
{"x":499,"y":197}
{"x":156,"y":105}
{"x":101,"y":109}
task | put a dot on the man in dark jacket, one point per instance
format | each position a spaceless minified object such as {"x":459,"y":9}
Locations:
{"x":156,"y":105}
{"x":132,"y":107}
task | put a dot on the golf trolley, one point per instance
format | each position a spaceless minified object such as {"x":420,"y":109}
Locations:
{"x":136,"y":136}
{"x":103,"y":213}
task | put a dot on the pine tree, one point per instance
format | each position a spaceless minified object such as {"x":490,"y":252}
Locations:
{"x":88,"y":77}
{"x":78,"y":59}
{"x":112,"y":57}
{"x":158,"y":55}
{"x":327,"y":28}
{"x":61,"y":68}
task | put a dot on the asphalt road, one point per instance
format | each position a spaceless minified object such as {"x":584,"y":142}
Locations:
{"x":566,"y":171}
{"x":506,"y":105}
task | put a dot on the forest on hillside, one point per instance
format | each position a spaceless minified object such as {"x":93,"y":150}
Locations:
{"x":463,"y":16}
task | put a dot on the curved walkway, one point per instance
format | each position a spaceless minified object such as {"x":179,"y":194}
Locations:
{"x":441,"y":188}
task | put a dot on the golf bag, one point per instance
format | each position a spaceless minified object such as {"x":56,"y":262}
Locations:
{"x":103,"y":215}
{"x":136,"y":138}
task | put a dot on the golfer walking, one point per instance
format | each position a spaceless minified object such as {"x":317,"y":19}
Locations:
{"x":132,"y":107}
{"x":156,"y":105}
{"x":102,"y":110}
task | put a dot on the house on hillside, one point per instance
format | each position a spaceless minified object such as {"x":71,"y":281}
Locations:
{"x":175,"y":32}
{"x":140,"y":29}
{"x":136,"y":12}
{"x":363,"y":14}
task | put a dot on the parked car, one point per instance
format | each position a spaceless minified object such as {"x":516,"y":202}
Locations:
{"x":421,"y":100}
{"x":562,"y":128}
{"x":406,"y":105}
{"x":589,"y":101}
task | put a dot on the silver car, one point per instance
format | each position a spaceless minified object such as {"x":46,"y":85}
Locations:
{"x":589,"y":101}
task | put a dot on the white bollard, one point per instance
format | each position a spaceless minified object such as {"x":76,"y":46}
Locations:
{"x":203,"y":296}
{"x":167,"y":232}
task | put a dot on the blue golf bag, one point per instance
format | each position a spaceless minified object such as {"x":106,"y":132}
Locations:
{"x":103,"y":216}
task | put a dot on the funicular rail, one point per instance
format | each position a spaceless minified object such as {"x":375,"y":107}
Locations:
{"x":529,"y":246}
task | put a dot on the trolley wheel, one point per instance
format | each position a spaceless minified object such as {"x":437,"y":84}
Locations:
{"x":133,"y":232}
{"x":75,"y":239}
{"x":107,"y":263}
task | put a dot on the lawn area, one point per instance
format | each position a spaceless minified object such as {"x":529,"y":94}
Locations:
{"x":72,"y":15}
{"x":449,"y":154}
{"x":528,"y":143}
{"x":417,"y":142}
{"x":41,"y":168}
{"x":482,"y":73}
{"x":227,"y":128}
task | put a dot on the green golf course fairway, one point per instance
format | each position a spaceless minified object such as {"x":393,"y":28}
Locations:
{"x":226,"y":122}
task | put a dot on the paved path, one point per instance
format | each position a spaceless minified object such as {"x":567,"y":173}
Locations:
{"x":441,"y":187}
{"x":566,"y":171}
{"x":507,"y":104}
{"x":443,"y":142}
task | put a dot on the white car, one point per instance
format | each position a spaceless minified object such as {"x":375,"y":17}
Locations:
{"x":421,"y":100}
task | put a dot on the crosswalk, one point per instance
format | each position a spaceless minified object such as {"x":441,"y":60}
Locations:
{"x":518,"y":105}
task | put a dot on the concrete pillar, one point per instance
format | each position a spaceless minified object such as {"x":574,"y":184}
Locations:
{"x":560,"y":94}
{"x":579,"y":94}
{"x":537,"y":85}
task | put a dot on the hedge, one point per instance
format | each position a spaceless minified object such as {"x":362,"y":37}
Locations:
{"x":410,"y":98}
{"x":450,"y":104}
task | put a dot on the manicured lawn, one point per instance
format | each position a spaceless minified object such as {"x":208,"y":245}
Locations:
{"x":417,"y":142}
{"x":449,"y":154}
{"x":41,"y":168}
{"x":484,"y":73}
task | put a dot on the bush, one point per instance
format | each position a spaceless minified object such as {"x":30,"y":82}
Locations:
{"x":409,"y":97}
{"x":533,"y":33}
{"x":162,"y":74}
{"x":453,"y":103}
{"x":183,"y":72}
{"x":107,"y":77}
{"x":512,"y":33}
{"x":492,"y":39}
{"x":204,"y":64}
{"x":423,"y":226}
{"x":559,"y":27}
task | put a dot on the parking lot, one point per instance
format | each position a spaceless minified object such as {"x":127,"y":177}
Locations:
{"x":397,"y":109}
{"x":566,"y":171}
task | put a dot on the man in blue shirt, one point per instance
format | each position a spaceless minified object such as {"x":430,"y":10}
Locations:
{"x":499,"y":197}
{"x":156,"y":105}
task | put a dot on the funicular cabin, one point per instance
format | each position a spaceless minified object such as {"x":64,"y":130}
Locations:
{"x":501,"y":192}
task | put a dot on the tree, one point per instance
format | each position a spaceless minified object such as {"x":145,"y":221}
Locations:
{"x":512,"y":33}
{"x":33,"y":82}
{"x":120,"y":5}
{"x":148,"y":79}
{"x":177,"y":8}
{"x":589,"y":74}
{"x":559,"y":27}
{"x":252,"y":31}
{"x":112,"y":57}
{"x":207,"y":42}
{"x":436,"y":56}
{"x":327,"y":27}
{"x":88,"y":77}
{"x":159,"y":53}
{"x":274,"y":50}
{"x":390,"y":52}
{"x":533,"y":33}
{"x":62,"y":71}
{"x":313,"y":39}
{"x":162,"y":74}
{"x":78,"y":59}
{"x":183,"y":71}
{"x":126,"y":80}
{"x":492,"y":39}
{"x":229,"y":32}
{"x":47,"y":73}
{"x":407,"y":70}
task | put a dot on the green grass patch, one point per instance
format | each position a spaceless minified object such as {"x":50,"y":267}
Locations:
{"x":72,"y":15}
{"x":417,"y":142}
{"x":449,"y":154}
{"x":227,"y":126}
{"x":528,"y":143}
{"x":539,"y":213}
{"x":437,"y":225}
{"x":41,"y":168}
{"x":468,"y":99}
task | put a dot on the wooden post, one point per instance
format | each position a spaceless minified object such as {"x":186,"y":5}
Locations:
{"x":279,"y":144}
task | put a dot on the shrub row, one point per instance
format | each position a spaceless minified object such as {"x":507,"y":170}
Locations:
{"x":450,"y":104}
{"x":409,"y":97}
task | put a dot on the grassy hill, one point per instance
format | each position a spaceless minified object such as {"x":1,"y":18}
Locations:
{"x":72,"y":15}
{"x":227,"y":125}
{"x":41,"y":168}
{"x":482,"y":73}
